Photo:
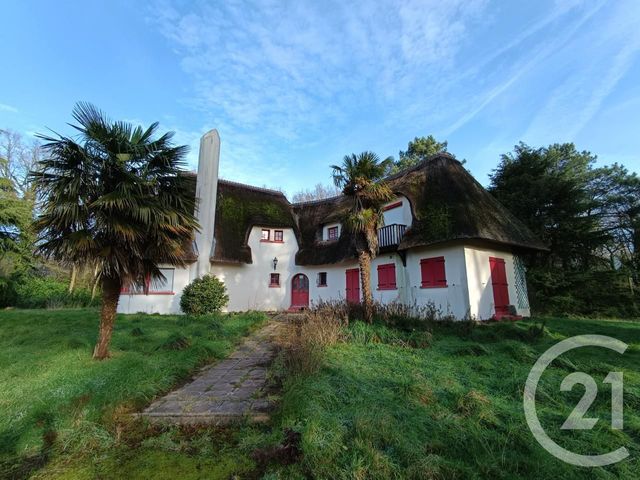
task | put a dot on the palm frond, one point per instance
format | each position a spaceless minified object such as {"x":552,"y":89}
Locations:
{"x":115,"y":198}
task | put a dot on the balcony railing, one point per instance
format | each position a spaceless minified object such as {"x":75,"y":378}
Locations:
{"x":390,"y":235}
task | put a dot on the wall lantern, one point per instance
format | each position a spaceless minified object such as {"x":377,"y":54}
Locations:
{"x":275,"y":263}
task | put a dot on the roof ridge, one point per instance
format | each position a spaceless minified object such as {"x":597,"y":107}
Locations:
{"x":252,"y":187}
{"x":393,"y":176}
{"x":421,"y":164}
{"x":317,"y":201}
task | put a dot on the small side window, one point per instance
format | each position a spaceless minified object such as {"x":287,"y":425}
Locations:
{"x":332,"y":233}
{"x":274,"y":280}
{"x":278,"y":236}
{"x":163,"y":285}
{"x":322,"y":279}
{"x":265,"y":235}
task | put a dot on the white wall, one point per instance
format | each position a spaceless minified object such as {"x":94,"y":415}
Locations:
{"x":158,"y":303}
{"x":400,"y":215}
{"x":452,"y":299}
{"x":248,"y":284}
{"x":468,"y":292}
{"x":479,"y":275}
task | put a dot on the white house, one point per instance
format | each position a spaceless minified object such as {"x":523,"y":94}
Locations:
{"x":446,"y":240}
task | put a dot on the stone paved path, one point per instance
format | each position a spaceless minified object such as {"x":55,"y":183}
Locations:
{"x":227,"y":391}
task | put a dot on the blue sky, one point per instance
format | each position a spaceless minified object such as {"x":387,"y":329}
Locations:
{"x":294,"y":86}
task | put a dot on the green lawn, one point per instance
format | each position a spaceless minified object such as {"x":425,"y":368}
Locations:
{"x":53,"y":393}
{"x":376,"y":408}
{"x":454,"y":410}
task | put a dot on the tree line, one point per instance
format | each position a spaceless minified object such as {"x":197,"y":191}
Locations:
{"x":589,"y":217}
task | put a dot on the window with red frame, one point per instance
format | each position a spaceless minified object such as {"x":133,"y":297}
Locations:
{"x":265,"y":235}
{"x":274,"y":280}
{"x":433,"y":272}
{"x":387,"y":276}
{"x":155,"y":286}
{"x":278,"y":236}
{"x":332,"y":233}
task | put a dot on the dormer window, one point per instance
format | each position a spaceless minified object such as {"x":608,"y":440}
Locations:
{"x":332,"y":233}
{"x":271,"y":236}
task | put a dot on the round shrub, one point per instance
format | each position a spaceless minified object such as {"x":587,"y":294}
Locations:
{"x":204,"y":296}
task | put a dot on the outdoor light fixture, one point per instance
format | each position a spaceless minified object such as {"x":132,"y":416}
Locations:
{"x":275,"y":263}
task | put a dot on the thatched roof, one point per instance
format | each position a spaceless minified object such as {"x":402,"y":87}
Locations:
{"x":447,"y":204}
{"x":241,"y":207}
{"x":311,"y":217}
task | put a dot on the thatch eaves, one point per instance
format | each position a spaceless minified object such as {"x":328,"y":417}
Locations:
{"x":449,"y":204}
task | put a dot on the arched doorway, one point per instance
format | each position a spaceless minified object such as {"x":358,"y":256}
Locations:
{"x":300,"y":291}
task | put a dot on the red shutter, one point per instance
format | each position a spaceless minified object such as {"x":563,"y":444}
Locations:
{"x":440,"y":276}
{"x":424,"y":272}
{"x":500,"y":286}
{"x":381,"y":275}
{"x":433,"y":272}
{"x":391,"y":275}
{"x":387,"y":276}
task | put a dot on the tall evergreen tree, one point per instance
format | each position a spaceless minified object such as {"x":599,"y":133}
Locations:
{"x":549,"y":190}
{"x":589,"y":218}
{"x":419,"y":149}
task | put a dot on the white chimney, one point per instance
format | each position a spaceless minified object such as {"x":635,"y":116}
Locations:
{"x":206,"y":194}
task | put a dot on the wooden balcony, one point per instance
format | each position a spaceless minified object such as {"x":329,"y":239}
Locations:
{"x":390,"y":235}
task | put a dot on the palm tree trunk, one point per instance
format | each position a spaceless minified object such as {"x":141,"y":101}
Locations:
{"x":110,"y":295}
{"x":96,"y":281}
{"x":72,"y":282}
{"x":364,"y":261}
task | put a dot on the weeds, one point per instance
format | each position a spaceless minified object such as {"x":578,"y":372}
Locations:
{"x":308,"y":334}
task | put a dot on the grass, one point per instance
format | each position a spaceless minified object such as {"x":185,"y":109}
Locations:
{"x":380,"y":409}
{"x":58,"y":404}
{"x":384,"y":403}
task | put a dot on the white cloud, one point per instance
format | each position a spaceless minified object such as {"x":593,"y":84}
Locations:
{"x":274,"y":73}
{"x":612,"y":47}
{"x":526,"y":63}
{"x":279,"y":80}
{"x":8,"y":108}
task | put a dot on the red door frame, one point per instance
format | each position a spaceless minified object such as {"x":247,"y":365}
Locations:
{"x":353,"y":285}
{"x":500,"y":286}
{"x":300,"y":291}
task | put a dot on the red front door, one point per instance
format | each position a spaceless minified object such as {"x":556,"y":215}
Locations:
{"x":500,"y":286}
{"x":300,"y":291}
{"x":353,"y":285}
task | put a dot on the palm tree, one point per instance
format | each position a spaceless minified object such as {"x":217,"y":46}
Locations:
{"x":114,"y":198}
{"x":361,"y":178}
